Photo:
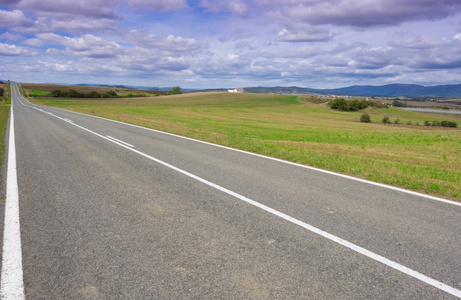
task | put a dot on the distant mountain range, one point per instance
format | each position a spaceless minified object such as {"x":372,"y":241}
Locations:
{"x":406,"y":90}
{"x":390,"y":90}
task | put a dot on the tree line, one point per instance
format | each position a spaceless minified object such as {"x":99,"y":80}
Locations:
{"x":74,"y":94}
{"x":109,"y":94}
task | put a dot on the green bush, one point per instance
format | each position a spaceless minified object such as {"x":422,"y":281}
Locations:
{"x":93,"y":94}
{"x":386,"y":120}
{"x":110,"y":94}
{"x":398,"y":104}
{"x":442,"y":123}
{"x":2,"y":92}
{"x":365,"y":118}
{"x":448,"y":124}
{"x":337,"y":103}
{"x":344,"y":105}
{"x":174,"y":91}
{"x":56,"y":93}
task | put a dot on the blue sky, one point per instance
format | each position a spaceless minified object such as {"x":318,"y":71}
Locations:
{"x":207,"y":44}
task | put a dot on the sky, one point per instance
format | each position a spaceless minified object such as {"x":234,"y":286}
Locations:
{"x":230,"y":44}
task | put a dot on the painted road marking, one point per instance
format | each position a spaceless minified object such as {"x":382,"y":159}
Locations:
{"x":415,"y":274}
{"x":122,"y":142}
{"x":12,"y":284}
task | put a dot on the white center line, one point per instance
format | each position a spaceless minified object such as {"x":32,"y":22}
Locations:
{"x":12,"y":284}
{"x":122,"y":142}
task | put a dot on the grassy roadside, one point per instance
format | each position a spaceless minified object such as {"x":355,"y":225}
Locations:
{"x":4,"y":114}
{"x":421,"y":158}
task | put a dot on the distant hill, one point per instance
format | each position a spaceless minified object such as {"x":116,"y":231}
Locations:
{"x":104,"y":85}
{"x":406,"y":90}
{"x":139,"y":87}
{"x":390,"y":90}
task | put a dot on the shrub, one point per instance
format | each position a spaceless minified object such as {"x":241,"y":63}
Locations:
{"x":352,"y":105}
{"x":2,"y":92}
{"x":448,"y":124}
{"x":174,"y":91}
{"x":355,"y":105}
{"x":397,"y":121}
{"x":436,"y":123}
{"x":427,"y":123}
{"x":110,"y":94}
{"x":386,"y":120}
{"x":93,"y":94}
{"x":74,"y":94}
{"x":337,"y":103}
{"x":398,"y":104}
{"x":365,"y":118}
{"x":56,"y":93}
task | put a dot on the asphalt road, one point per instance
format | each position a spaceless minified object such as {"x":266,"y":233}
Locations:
{"x":158,"y":216}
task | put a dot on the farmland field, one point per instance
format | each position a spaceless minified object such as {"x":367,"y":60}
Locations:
{"x":408,"y":154}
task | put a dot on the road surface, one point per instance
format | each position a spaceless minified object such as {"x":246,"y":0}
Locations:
{"x":113,"y":211}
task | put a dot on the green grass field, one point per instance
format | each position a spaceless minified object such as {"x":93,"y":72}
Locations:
{"x":421,"y":158}
{"x":38,"y":93}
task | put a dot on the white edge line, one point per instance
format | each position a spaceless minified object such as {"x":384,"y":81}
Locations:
{"x":12,"y":283}
{"x":125,"y":143}
{"x":277,"y":160}
{"x":430,"y":281}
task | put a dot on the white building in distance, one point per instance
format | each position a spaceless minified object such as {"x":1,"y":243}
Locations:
{"x":237,"y":90}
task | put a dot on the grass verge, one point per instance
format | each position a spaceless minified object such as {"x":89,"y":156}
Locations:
{"x":4,"y":114}
{"x":416,"y":157}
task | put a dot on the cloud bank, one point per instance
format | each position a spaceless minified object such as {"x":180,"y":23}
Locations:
{"x":204,"y":43}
